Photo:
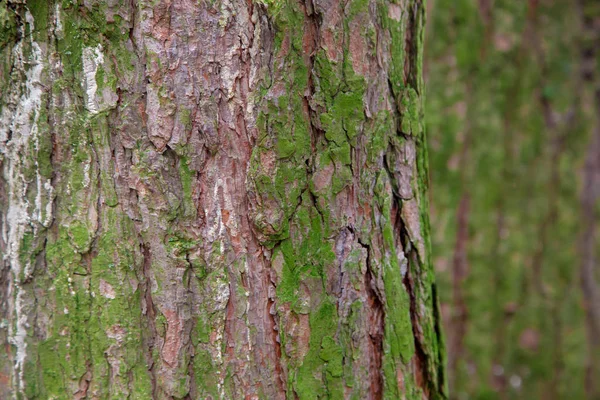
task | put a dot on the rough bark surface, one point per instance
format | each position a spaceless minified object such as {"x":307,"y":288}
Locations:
{"x":215,"y":199}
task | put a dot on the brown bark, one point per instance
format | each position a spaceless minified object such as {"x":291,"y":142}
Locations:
{"x":215,"y":199}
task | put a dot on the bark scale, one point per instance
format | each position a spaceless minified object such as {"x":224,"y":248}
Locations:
{"x":215,"y":199}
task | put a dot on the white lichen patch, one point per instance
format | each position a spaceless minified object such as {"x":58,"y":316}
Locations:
{"x":18,"y":137}
{"x":92,"y":58}
{"x":86,"y":175}
{"x":58,"y":28}
{"x":219,"y":227}
{"x":221,"y":294}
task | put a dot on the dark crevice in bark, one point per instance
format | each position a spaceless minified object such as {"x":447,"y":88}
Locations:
{"x":391,"y":177}
{"x":193,"y":390}
{"x":376,"y":326}
{"x":150,"y":333}
{"x":421,"y":359}
{"x":193,"y":393}
{"x":415,"y":15}
{"x":424,"y":364}
{"x":310,"y":46}
{"x":280,"y":377}
{"x":440,"y":361}
{"x":396,"y":112}
{"x":53,"y":161}
{"x":87,"y":258}
{"x":316,"y":206}
{"x":131,"y":33}
{"x":188,"y":277}
{"x":12,"y":6}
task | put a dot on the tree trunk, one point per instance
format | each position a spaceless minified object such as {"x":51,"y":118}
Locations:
{"x":590,"y":193}
{"x":215,"y":199}
{"x":515,"y":156}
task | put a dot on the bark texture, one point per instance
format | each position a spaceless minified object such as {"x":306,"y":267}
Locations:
{"x":215,"y":199}
{"x":513,"y":125}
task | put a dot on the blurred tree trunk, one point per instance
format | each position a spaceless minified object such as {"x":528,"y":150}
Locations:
{"x":514,"y":156}
{"x":590,"y":194}
{"x":215,"y":199}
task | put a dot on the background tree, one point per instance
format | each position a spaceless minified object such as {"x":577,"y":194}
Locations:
{"x":512,"y":106}
{"x":215,"y":199}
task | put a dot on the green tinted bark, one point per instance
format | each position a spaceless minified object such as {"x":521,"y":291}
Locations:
{"x":512,"y":118}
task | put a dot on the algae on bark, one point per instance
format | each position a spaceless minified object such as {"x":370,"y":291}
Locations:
{"x":215,"y":199}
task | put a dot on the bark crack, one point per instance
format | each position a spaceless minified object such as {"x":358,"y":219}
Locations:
{"x":148,"y":309}
{"x":376,"y":325}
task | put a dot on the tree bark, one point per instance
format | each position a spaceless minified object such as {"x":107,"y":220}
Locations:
{"x":215,"y":199}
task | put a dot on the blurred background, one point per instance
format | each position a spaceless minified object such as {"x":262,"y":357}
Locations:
{"x":513,"y":120}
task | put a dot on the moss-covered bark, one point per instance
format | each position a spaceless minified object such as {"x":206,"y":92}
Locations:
{"x":511,"y":116}
{"x":215,"y":199}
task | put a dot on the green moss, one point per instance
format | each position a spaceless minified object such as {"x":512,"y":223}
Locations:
{"x":207,"y":380}
{"x":142,"y":384}
{"x":161,"y":324}
{"x":341,"y":179}
{"x":285,"y":147}
{"x":8,"y":28}
{"x":409,"y":106}
{"x":44,"y":146}
{"x":355,"y":7}
{"x":39,"y":10}
{"x":180,"y":245}
{"x":304,"y":238}
{"x":31,"y":376}
{"x":202,"y":331}
{"x":324,"y":355}
{"x":287,"y":289}
{"x":80,"y":236}
{"x":331,"y":352}
{"x":71,"y":46}
{"x":185,"y":117}
{"x":78,"y":337}
{"x":53,"y":378}
{"x":397,"y":32}
{"x":26,"y":247}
